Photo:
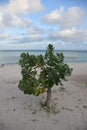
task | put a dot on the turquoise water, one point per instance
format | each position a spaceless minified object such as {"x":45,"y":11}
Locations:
{"x":12,"y":56}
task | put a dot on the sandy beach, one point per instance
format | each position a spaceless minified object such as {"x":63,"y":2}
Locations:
{"x":24,"y":112}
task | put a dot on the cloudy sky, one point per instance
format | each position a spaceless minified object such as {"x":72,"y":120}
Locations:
{"x":33,"y":24}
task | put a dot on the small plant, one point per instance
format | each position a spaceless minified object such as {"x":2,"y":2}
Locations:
{"x":40,"y":73}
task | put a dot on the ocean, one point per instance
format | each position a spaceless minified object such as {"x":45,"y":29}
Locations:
{"x":71,"y":56}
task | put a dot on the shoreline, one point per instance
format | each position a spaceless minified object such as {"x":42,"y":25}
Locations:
{"x":71,"y":64}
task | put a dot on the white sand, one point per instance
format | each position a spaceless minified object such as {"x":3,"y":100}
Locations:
{"x":24,"y":112}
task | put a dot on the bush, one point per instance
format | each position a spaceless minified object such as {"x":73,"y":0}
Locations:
{"x":41,"y":73}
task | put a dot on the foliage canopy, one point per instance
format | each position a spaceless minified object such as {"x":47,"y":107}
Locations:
{"x":42,"y":72}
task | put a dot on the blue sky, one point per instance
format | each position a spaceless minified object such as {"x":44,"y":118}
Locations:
{"x":33,"y":24}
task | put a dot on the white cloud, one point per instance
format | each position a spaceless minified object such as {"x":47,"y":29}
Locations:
{"x":35,"y":37}
{"x":16,"y":11}
{"x":27,"y":39}
{"x":72,"y":35}
{"x":18,"y":7}
{"x":69,"y":24}
{"x":34,"y":34}
{"x":65,"y":18}
{"x":4,"y":36}
{"x":23,"y":46}
{"x":14,"y":17}
{"x":36,"y":30}
{"x":54,"y":17}
{"x":7,"y":21}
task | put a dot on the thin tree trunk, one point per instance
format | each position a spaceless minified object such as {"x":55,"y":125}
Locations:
{"x":48,"y":98}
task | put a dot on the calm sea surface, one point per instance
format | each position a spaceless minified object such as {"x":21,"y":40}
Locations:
{"x":13,"y":56}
